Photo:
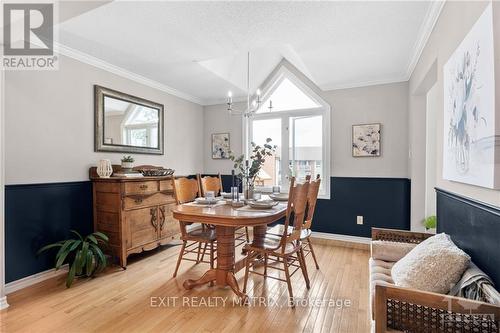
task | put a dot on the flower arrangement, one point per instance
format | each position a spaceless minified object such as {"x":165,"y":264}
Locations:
{"x":249,"y":169}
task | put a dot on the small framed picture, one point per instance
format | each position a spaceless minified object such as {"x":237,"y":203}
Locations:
{"x":220,"y":146}
{"x":366,"y":140}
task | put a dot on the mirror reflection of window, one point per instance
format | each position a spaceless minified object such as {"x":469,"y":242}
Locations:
{"x":130,"y":124}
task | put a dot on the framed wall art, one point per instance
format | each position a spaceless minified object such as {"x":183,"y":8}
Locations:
{"x":220,"y":146}
{"x":366,"y":140}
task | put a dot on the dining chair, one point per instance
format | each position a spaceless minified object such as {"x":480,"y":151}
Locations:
{"x":287,"y":249}
{"x":186,"y":190}
{"x":305,"y":236}
{"x":211,"y":183}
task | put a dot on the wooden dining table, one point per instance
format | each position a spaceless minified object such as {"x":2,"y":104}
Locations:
{"x":226,"y":219}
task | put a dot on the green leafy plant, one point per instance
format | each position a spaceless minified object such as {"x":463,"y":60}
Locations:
{"x":128,"y":158}
{"x":249,"y":169}
{"x":84,"y":255}
{"x":430,"y":222}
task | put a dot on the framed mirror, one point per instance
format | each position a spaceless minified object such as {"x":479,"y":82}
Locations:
{"x":127,"y":124}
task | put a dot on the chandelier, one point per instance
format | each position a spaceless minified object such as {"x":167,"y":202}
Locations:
{"x":253,"y":106}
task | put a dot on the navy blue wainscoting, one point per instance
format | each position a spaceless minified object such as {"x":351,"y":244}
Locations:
{"x":474,"y":226}
{"x":38,"y":214}
{"x":383,"y":203}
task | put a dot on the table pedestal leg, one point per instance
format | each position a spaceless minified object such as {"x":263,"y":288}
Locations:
{"x":209,"y":276}
{"x":223,"y":275}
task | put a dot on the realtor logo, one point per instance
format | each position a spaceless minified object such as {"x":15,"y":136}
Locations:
{"x":28,"y":36}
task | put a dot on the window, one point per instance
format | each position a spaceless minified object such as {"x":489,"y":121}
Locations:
{"x":288,"y":96}
{"x":299,"y":124}
{"x":140,"y":127}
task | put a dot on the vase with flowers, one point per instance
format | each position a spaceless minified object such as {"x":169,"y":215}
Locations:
{"x":248,"y":169}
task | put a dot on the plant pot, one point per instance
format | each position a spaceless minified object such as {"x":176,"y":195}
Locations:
{"x":127,"y":165}
{"x":430,"y":230}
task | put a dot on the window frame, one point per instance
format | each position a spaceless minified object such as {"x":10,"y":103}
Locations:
{"x":324,"y":110}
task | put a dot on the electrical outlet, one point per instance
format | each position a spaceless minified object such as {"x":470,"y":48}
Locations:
{"x":359,"y":219}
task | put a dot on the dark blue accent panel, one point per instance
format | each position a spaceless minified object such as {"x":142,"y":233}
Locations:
{"x":474,"y":227}
{"x":39,"y":214}
{"x":227,"y":182}
{"x":383,"y":203}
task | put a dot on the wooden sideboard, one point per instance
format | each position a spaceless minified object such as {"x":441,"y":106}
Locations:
{"x":135,"y":213}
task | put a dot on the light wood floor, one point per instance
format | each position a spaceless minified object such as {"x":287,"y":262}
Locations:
{"x":120,"y":301}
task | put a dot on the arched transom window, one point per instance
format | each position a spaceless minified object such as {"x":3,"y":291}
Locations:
{"x":297,"y":119}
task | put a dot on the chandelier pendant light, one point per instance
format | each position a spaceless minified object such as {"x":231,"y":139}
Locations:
{"x":253,"y":106}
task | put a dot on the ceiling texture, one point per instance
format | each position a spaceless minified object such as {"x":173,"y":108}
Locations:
{"x":198,"y":50}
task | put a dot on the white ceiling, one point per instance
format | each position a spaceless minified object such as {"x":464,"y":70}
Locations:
{"x":198,"y":49}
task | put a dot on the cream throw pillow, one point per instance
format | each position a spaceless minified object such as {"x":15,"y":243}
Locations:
{"x":390,"y":251}
{"x":435,"y":265}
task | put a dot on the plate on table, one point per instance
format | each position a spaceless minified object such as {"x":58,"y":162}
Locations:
{"x":206,"y":201}
{"x":279,"y":196}
{"x":262,"y":204}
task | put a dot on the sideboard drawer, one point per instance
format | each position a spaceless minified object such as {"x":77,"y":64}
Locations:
{"x":166,"y":185}
{"x":141,"y":187}
{"x":141,"y":200}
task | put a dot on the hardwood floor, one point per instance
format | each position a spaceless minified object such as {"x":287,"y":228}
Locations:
{"x":135,"y":300}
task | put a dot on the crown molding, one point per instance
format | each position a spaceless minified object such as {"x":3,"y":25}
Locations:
{"x":101,"y":64}
{"x":423,"y":35}
{"x":362,"y":84}
{"x":217,"y":101}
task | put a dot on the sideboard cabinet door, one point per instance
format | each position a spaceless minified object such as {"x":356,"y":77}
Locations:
{"x":141,"y":226}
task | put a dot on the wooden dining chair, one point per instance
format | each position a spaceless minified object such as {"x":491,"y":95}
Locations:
{"x":186,"y":190}
{"x":211,"y":183}
{"x":305,"y":236}
{"x":287,"y":249}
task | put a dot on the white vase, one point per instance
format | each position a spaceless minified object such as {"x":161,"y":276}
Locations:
{"x":104,"y":169}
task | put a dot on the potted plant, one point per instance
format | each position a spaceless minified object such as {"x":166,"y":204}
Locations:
{"x":430,"y":224}
{"x":127,"y":162}
{"x":83,"y":255}
{"x":248,"y":170}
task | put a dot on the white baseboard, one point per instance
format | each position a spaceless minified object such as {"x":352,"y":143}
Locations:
{"x":338,"y":237}
{"x":3,"y":303}
{"x":32,"y":279}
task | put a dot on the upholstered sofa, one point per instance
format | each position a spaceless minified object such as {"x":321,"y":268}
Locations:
{"x":398,"y":309}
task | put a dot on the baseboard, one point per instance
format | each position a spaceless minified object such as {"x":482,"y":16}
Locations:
{"x":342,"y":240}
{"x":33,"y":279}
{"x":3,"y":303}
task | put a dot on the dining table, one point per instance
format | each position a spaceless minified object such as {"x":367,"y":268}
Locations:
{"x":226,"y":220}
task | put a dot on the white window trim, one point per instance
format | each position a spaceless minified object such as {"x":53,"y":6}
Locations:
{"x":324,"y":109}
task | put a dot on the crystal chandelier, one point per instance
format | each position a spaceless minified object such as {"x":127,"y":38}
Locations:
{"x":253,"y":106}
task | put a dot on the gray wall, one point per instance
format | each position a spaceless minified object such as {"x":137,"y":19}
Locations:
{"x":386,"y":104}
{"x":50,"y":117}
{"x":454,"y":23}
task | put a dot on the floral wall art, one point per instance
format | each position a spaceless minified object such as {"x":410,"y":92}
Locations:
{"x":366,"y":140}
{"x":470,"y":131}
{"x":220,"y":146}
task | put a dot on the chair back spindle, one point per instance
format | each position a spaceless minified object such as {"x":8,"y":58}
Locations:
{"x":295,"y":213}
{"x":312,"y":198}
